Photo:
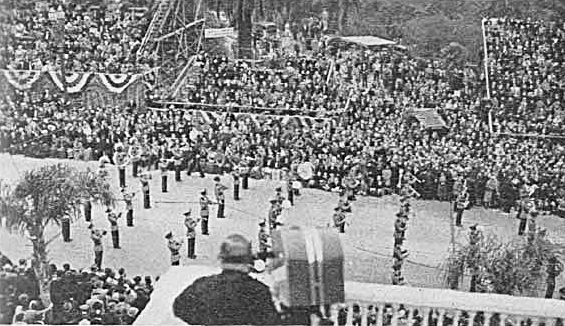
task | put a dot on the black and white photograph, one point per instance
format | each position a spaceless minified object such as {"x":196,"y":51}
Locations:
{"x":282,"y":162}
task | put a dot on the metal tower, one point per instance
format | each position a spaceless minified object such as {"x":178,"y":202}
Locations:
{"x":174,"y":36}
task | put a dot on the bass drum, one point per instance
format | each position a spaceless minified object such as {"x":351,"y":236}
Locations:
{"x":305,"y":171}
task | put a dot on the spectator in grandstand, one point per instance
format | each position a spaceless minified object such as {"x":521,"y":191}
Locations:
{"x":526,"y":70}
{"x":92,"y":38}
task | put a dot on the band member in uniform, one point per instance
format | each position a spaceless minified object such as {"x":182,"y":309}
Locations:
{"x":343,"y":202}
{"x":205,"y":203}
{"x":120,"y":160}
{"x":190,"y":224}
{"x":113,"y":219}
{"x":220,"y":196}
{"x":66,"y":228}
{"x":174,"y":246}
{"x":135,"y":156}
{"x":289,"y":190}
{"x":245,"y":170}
{"x":522,"y":216}
{"x":164,"y":174}
{"x":274,"y":212}
{"x":128,"y":198}
{"x":235,"y":174}
{"x":339,"y":219}
{"x":145,"y":188}
{"x":400,"y":227}
{"x":278,"y":195}
{"x":461,"y":204}
{"x":88,"y":210}
{"x":264,"y":241}
{"x":177,"y":161}
{"x":96,"y":236}
{"x":102,"y":172}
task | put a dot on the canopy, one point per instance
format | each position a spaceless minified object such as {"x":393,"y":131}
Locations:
{"x":366,"y":40}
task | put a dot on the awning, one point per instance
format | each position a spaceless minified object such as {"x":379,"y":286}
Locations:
{"x":366,"y":40}
{"x":428,"y":118}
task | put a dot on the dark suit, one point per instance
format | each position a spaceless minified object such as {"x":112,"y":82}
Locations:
{"x":229,"y":298}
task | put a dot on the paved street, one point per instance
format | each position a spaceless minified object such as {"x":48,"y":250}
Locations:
{"x":367,"y":242}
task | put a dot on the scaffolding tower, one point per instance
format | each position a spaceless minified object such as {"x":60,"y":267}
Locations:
{"x":173,"y":38}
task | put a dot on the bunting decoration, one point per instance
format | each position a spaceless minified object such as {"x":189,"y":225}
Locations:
{"x":117,"y":83}
{"x":74,"y":82}
{"x":21,"y":79}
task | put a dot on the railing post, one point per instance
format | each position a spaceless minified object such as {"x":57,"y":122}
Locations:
{"x":426,"y":316}
{"x":380,"y":314}
{"x":364,"y":314}
{"x":349,"y":314}
{"x":441,"y":316}
{"x":487,"y":318}
{"x":394,"y":321}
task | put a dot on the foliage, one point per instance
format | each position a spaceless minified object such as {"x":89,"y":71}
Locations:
{"x":43,"y":197}
{"x":515,"y":267}
{"x":427,"y":25}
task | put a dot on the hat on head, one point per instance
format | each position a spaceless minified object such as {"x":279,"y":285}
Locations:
{"x":278,"y":189}
{"x":273,"y":200}
{"x":474,"y":226}
{"x":108,"y":210}
{"x":262,"y":223}
{"x":169,"y":235}
{"x":188,"y":212}
{"x":216,"y":178}
{"x":337,"y":209}
{"x":236,"y":249}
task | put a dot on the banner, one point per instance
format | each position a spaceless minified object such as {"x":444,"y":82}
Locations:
{"x":219,"y":32}
{"x":117,"y":83}
{"x":74,"y":82}
{"x":21,"y":79}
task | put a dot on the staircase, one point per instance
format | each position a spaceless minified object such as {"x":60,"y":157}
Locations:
{"x":156,"y":26}
{"x":188,"y":70}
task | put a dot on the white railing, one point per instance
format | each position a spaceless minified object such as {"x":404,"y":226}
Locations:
{"x":395,"y":305}
{"x":402,"y":305}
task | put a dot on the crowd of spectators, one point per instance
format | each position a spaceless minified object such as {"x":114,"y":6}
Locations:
{"x":84,"y":297}
{"x":82,"y":36}
{"x":526,"y":70}
{"x":370,"y":140}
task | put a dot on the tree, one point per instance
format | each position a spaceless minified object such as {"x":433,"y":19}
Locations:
{"x":42,"y":197}
{"x":517,"y":267}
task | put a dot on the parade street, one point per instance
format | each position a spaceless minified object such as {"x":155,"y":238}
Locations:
{"x":367,"y":241}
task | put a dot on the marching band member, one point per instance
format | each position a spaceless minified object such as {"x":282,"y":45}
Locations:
{"x":235,"y":174}
{"x":245,"y":170}
{"x":102,"y":172}
{"x":174,"y":246}
{"x":96,"y":236}
{"x":190,"y":224}
{"x":120,"y":160}
{"x":274,"y":212}
{"x":289,"y":190}
{"x":145,"y":177}
{"x":264,"y":241}
{"x":177,"y":161}
{"x":135,"y":156}
{"x":344,"y":203}
{"x":278,"y":195}
{"x":128,"y":198}
{"x":113,"y":219}
{"x":87,"y":210}
{"x":66,"y":228}
{"x":461,"y":204}
{"x":339,"y":219}
{"x":205,"y":203}
{"x":163,"y":166}
{"x":220,"y":196}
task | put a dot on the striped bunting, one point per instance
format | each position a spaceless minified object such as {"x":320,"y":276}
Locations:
{"x":74,"y":82}
{"x":21,"y":79}
{"x":117,"y":83}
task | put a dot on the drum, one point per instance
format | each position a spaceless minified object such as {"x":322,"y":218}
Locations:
{"x":296,"y":185}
